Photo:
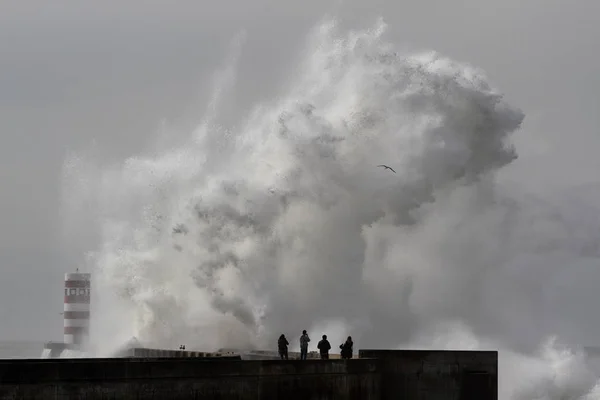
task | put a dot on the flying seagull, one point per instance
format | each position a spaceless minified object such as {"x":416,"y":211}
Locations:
{"x":386,"y":167}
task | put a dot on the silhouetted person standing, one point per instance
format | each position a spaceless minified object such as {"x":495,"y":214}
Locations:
{"x":304,"y":339}
{"x":346,"y":352}
{"x":282,"y":344}
{"x":324,"y":347}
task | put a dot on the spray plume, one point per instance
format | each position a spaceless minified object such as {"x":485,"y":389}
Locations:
{"x":286,"y":223}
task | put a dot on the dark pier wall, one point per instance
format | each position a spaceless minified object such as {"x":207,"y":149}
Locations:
{"x":188,"y":378}
{"x":437,"y":375}
{"x":378,"y":374}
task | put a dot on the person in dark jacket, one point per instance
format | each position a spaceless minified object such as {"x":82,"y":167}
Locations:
{"x":282,"y":344}
{"x":324,"y":347}
{"x":346,"y":352}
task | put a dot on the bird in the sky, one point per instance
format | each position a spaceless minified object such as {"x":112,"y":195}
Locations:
{"x":386,"y":167}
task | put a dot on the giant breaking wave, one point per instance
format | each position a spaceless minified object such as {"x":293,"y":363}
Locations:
{"x":285,"y":223}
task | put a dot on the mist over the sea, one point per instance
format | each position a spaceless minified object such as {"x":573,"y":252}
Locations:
{"x":284,"y":222}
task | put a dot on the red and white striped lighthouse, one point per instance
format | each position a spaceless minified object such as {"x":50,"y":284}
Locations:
{"x":77,"y":308}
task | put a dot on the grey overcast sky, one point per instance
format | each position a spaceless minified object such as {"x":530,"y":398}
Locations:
{"x":109,"y":72}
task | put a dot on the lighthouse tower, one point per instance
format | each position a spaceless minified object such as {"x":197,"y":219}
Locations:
{"x":77,"y":308}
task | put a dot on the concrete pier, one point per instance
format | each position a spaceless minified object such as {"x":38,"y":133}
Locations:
{"x":378,"y":374}
{"x":437,"y":375}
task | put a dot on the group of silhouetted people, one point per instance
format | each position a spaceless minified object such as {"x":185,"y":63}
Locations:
{"x":324,"y":346}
